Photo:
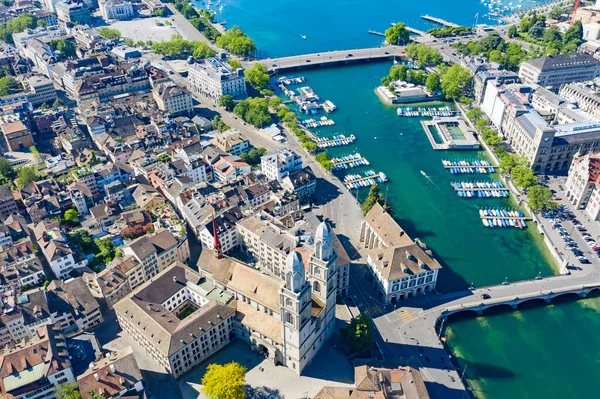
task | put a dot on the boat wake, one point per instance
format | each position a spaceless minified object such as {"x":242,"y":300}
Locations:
{"x":430,"y":180}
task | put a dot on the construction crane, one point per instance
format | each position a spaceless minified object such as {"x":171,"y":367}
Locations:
{"x":575,"y":11}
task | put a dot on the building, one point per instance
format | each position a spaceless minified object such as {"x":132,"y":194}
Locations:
{"x":498,"y":76}
{"x":380,"y":383}
{"x":72,"y":306}
{"x":231,"y":142}
{"x":41,"y":90}
{"x":288,"y":319}
{"x":177,"y":319}
{"x":55,"y":248}
{"x":214,"y":78}
{"x":301,"y":182}
{"x":17,"y":135}
{"x":583,"y":184}
{"x":73,"y":11}
{"x":540,"y":125}
{"x":144,"y":253}
{"x":585,"y":94}
{"x":225,"y":226}
{"x":279,"y":165}
{"x":173,"y":99}
{"x":399,"y":266}
{"x":113,"y":376}
{"x":116,"y":10}
{"x":554,"y":70}
{"x":35,"y":368}
{"x":8,"y":205}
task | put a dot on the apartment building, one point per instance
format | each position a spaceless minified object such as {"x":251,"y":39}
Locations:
{"x":173,"y":99}
{"x":279,"y":165}
{"x":554,"y":70}
{"x":214,"y":78}
{"x":231,"y":142}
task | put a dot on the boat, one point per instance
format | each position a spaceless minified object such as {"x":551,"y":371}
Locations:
{"x":424,"y":174}
{"x":303,"y":36}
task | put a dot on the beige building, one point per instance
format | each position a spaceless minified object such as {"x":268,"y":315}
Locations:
{"x":582,"y":185}
{"x":553,"y":71}
{"x":173,"y":99}
{"x":17,"y":135}
{"x":175,"y":320}
{"x":231,"y":142}
{"x":214,"y":78}
{"x":585,"y":95}
{"x":399,"y":266}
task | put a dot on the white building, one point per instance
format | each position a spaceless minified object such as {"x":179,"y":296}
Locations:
{"x":225,"y":225}
{"x":399,"y":266}
{"x":279,"y":165}
{"x":553,"y":71}
{"x":214,"y":78}
{"x":173,"y":99}
{"x":116,"y":10}
{"x":582,"y":184}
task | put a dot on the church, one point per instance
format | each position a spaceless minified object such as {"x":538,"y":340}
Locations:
{"x":288,"y":318}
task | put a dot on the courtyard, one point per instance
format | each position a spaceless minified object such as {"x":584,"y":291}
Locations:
{"x":157,"y":29}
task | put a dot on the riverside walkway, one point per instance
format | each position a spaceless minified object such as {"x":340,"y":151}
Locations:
{"x":331,"y":58}
{"x":416,"y":338}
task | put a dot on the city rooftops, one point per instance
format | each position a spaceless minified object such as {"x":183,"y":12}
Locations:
{"x":564,"y":61}
{"x":217,"y":69}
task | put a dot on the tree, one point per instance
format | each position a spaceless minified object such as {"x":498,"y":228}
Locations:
{"x":275,"y":102}
{"x":556,"y":12}
{"x":552,"y":34}
{"x":510,"y":161}
{"x":574,"y":35}
{"x":235,"y":64}
{"x":253,"y":156}
{"x":66,"y":47}
{"x":219,"y":125}
{"x":6,"y":169}
{"x":22,"y":22}
{"x":540,"y":198}
{"x":359,"y":335}
{"x":129,"y":42}
{"x":525,"y":24}
{"x":398,"y":72}
{"x":373,"y":198}
{"x":537,"y":30}
{"x":523,"y":176}
{"x":236,"y":41}
{"x":433,"y":83}
{"x":254,"y":111}
{"x":160,"y":12}
{"x":202,"y":50}
{"x":26,"y":175}
{"x":512,"y":31}
{"x":466,"y":101}
{"x":7,"y":84}
{"x":68,"y":390}
{"x":455,"y":80}
{"x":226,"y":101}
{"x":397,"y":34}
{"x":71,"y":215}
{"x":224,"y":381}
{"x":108,"y":33}
{"x":257,"y":76}
{"x":57,"y":103}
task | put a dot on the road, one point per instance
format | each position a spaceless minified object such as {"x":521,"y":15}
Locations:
{"x":188,"y":31}
{"x":330,"y":57}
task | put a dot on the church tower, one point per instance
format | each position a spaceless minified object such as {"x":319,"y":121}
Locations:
{"x":295,"y":310}
{"x":323,"y":266}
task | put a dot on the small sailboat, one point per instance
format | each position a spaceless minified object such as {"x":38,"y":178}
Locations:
{"x":303,"y":36}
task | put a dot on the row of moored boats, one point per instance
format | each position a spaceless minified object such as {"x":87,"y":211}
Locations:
{"x":502,"y":218}
{"x":323,"y":121}
{"x":370,"y":177}
{"x":336,"y":141}
{"x":468,"y":167}
{"x":426,"y":111}
{"x":349,"y":161}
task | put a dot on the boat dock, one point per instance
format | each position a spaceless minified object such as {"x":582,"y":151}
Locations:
{"x":440,"y":21}
{"x":349,"y":161}
{"x":374,"y":32}
{"x":370,"y":178}
{"x":503,"y":218}
{"x":478,"y":186}
{"x":335,"y":141}
{"x":416,"y":31}
{"x":323,"y":121}
{"x":466,"y":167}
{"x":426,"y":111}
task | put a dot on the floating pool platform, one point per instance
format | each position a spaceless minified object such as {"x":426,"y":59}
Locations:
{"x":450,"y":133}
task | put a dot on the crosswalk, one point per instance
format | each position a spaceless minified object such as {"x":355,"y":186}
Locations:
{"x":405,"y":316}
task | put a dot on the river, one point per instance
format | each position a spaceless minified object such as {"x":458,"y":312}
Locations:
{"x":537,"y":352}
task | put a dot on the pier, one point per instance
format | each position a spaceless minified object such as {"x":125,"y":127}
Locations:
{"x":332,"y":58}
{"x":440,"y":21}
{"x":469,"y":166}
{"x":416,"y":31}
{"x":352,"y":161}
{"x":374,"y":32}
{"x":457,"y":188}
{"x":337,"y":141}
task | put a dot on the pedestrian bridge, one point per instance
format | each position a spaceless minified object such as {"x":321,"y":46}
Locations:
{"x":331,"y":58}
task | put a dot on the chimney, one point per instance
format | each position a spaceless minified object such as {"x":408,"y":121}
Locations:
{"x":96,"y":377}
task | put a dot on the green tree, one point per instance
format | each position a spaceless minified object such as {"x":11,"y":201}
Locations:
{"x":466,"y":101}
{"x":373,"y":198}
{"x":219,"y":125}
{"x":202,"y":50}
{"x":66,"y":47}
{"x":71,"y":215}
{"x":359,"y":335}
{"x":108,"y":33}
{"x":537,"y":30}
{"x":574,"y":34}
{"x":398,"y":72}
{"x":22,"y":22}
{"x":525,"y":24}
{"x":556,"y":12}
{"x":7,"y":85}
{"x":540,"y":198}
{"x":275,"y":102}
{"x":26,"y":175}
{"x":224,"y":381}
{"x":433,"y":83}
{"x":397,"y":34}
{"x":160,"y":12}
{"x":235,"y":64}
{"x":129,"y":42}
{"x":512,"y":31}
{"x":523,"y":176}
{"x":67,"y":391}
{"x":57,"y":103}
{"x":6,"y":169}
{"x":35,"y":153}
{"x":253,"y":156}
{"x":254,"y":111}
{"x":226,"y":101}
{"x":552,"y":34}
{"x":237,"y":42}
{"x":455,"y":80}
{"x":510,"y":161}
{"x":257,"y":76}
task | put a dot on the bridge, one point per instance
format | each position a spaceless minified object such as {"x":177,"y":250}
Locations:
{"x":440,"y":21}
{"x":418,"y":338}
{"x":333,"y":58}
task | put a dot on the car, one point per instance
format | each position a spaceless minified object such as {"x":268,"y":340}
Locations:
{"x":583,"y":259}
{"x":307,"y":60}
{"x":485,"y":296}
{"x":274,"y":65}
{"x":386,"y":53}
{"x":572,"y":244}
{"x":350,"y":55}
{"x":581,"y":228}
